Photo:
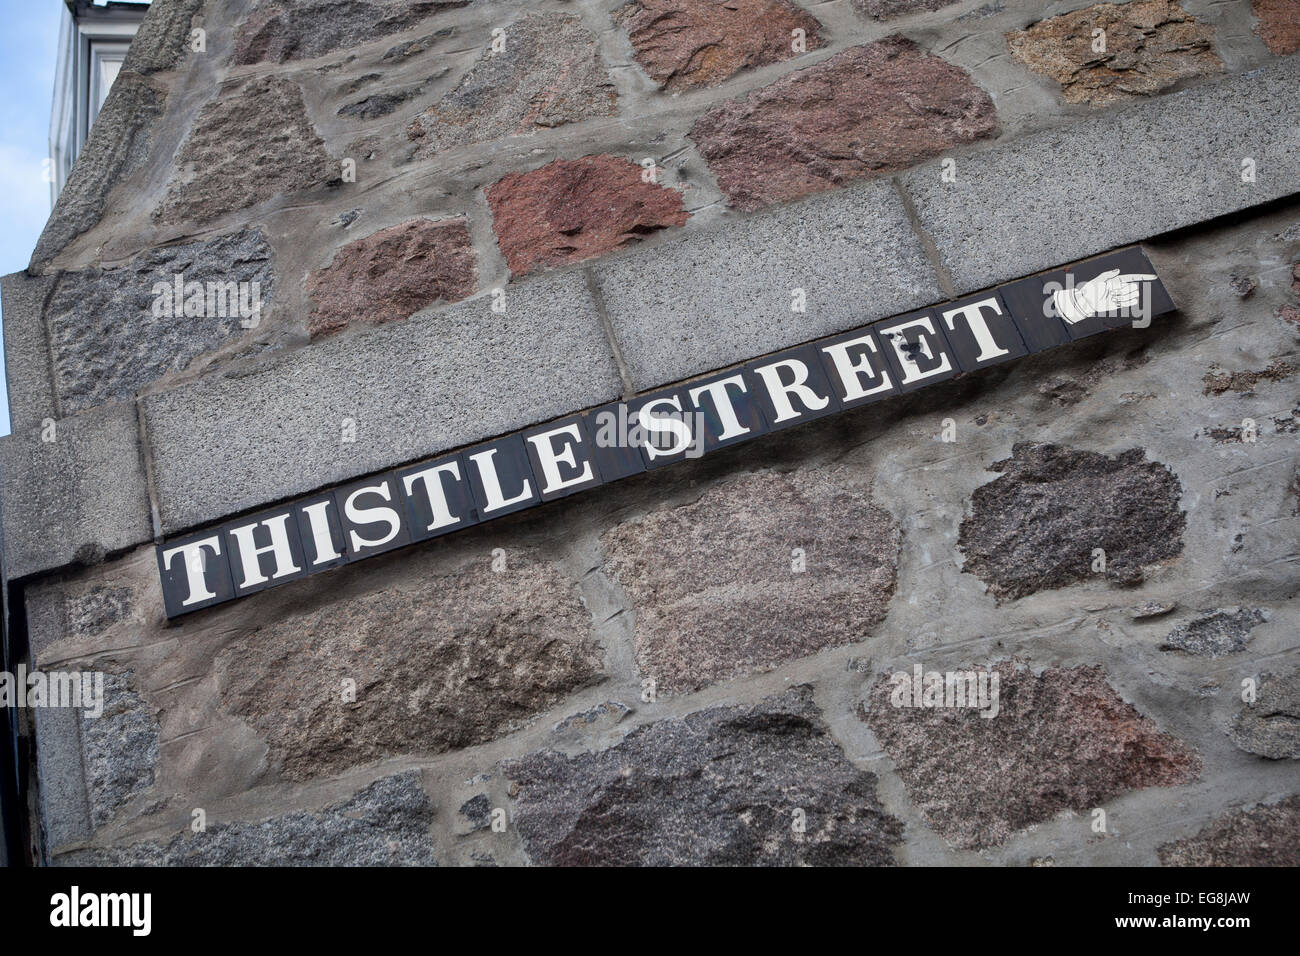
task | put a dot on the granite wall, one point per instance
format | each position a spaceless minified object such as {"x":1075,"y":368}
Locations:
{"x":457,"y":218}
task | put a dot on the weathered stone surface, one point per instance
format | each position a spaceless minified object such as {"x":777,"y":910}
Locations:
{"x":393,"y":274}
{"x":96,"y":608}
{"x":458,"y":660}
{"x":214,"y":178}
{"x":385,"y":824}
{"x":716,"y":788}
{"x":575,"y":209}
{"x":1265,"y":835}
{"x":1063,"y":740}
{"x":281,"y":30}
{"x":1035,"y":527}
{"x":886,"y":9}
{"x":1279,"y":25}
{"x":716,"y":589}
{"x":1270,"y":726}
{"x":1243,"y":286}
{"x":73,"y":492}
{"x":120,"y":748}
{"x":163,"y":37}
{"x":117,"y":146}
{"x":549,"y":74}
{"x":107,"y":337}
{"x":611,"y":712}
{"x":1216,"y":383}
{"x":867,"y":110}
{"x":689,"y":44}
{"x":477,"y":811}
{"x":1149,"y":609}
{"x":1150,"y":46}
{"x":410,"y":48}
{"x":1216,"y":633}
{"x":380,"y":104}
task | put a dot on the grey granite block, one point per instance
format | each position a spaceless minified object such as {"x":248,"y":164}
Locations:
{"x":720,"y":296}
{"x":75,"y":498}
{"x":1113,"y":179}
{"x":27,"y":353}
{"x":63,"y":800}
{"x":405,"y":390}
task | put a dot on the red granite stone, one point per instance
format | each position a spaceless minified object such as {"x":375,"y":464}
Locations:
{"x":576,"y":209}
{"x":1279,"y":24}
{"x":1266,"y":835}
{"x":1062,"y":740}
{"x":868,"y":110}
{"x":688,"y":44}
{"x":393,"y":274}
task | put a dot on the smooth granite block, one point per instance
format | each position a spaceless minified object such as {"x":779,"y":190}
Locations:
{"x":73,"y":491}
{"x":714,"y":298}
{"x":404,"y":391}
{"x":64,"y":801}
{"x":27,"y":351}
{"x":1065,"y":194}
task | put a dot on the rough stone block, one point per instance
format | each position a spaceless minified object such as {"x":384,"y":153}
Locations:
{"x":117,"y":146}
{"x":410,"y":389}
{"x":57,"y":610}
{"x":1055,"y":197}
{"x":62,"y":797}
{"x":1270,"y":725}
{"x":1265,"y":835}
{"x":716,"y":297}
{"x":549,"y":74}
{"x":1150,"y":46}
{"x":77,"y":497}
{"x":1278,"y":26}
{"x":1215,"y":633}
{"x":720,"y":589}
{"x":888,"y":9}
{"x":119,"y":748}
{"x":393,"y":274}
{"x":1038,"y":525}
{"x":384,"y":824}
{"x":690,"y":44}
{"x":716,"y":788}
{"x":441,"y":661}
{"x":163,"y":37}
{"x":278,"y":31}
{"x":1061,"y":740}
{"x":213,"y":179}
{"x":575,"y":209}
{"x":865,"y":111}
{"x":111,"y":331}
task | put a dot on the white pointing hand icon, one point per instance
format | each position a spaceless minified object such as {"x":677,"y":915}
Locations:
{"x":1109,"y":292}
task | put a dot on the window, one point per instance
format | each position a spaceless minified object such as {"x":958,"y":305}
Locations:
{"x":93,"y":42}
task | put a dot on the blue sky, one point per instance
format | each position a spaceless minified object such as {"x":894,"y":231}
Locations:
{"x":28,"y":49}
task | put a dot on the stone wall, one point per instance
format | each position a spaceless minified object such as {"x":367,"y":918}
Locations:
{"x":465,"y":217}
